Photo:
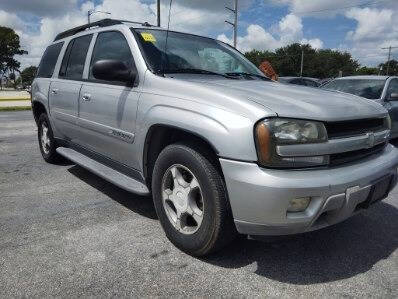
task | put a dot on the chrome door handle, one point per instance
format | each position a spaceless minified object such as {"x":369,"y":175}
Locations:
{"x":86,"y":97}
{"x":55,"y":91}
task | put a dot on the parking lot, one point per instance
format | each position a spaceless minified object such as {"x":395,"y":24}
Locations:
{"x":66,"y":232}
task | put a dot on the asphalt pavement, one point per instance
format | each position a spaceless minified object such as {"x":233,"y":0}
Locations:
{"x":66,"y":232}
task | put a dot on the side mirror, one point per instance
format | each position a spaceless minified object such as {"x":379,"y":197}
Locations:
{"x":393,"y":97}
{"x":114,"y":70}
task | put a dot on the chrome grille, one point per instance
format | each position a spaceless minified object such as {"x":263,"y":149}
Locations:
{"x":347,"y":157}
{"x":350,"y":128}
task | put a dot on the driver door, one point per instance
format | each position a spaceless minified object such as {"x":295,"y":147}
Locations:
{"x":107,"y":110}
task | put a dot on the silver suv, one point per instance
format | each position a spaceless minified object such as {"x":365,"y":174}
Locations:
{"x":222,"y":149}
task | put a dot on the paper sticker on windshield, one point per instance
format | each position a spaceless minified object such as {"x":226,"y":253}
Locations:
{"x":148,"y":37}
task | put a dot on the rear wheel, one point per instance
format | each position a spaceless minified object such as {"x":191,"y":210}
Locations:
{"x":191,"y":200}
{"x":47,"y":142}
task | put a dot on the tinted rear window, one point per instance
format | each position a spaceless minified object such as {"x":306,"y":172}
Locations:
{"x":50,"y":57}
{"x":75,"y":57}
{"x":367,"y":88}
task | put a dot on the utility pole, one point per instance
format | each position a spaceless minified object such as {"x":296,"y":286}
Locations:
{"x":92,"y":11}
{"x":235,"y":23}
{"x":158,"y":12}
{"x":389,"y":57}
{"x":302,"y":62}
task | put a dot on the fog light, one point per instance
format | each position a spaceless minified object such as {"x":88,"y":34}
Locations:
{"x":298,"y":204}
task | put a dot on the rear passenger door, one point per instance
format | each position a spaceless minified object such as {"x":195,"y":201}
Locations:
{"x":107,"y":110}
{"x":65,"y":90}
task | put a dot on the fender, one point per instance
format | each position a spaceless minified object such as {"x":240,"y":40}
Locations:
{"x":230,"y":135}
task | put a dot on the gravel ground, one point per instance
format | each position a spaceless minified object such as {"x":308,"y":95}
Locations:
{"x":66,"y":232}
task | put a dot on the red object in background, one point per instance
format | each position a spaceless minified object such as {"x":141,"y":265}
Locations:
{"x":268,"y":70}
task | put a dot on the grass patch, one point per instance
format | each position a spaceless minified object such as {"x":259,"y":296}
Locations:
{"x":14,"y":99}
{"x":17,"y":108}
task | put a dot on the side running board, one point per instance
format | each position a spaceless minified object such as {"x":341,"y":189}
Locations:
{"x":119,"y":179}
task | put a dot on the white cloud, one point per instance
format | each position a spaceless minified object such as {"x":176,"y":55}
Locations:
{"x":41,"y":8}
{"x":289,"y":30}
{"x":189,"y":16}
{"x":256,"y":38}
{"x":36,"y":42}
{"x":376,"y":29}
{"x":10,"y":20}
{"x":317,"y":8}
{"x":316,"y":43}
{"x":372,"y":23}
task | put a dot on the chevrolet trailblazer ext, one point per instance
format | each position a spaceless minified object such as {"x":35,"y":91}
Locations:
{"x":222,"y":149}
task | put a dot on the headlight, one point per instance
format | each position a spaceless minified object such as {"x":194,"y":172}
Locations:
{"x":283,"y":131}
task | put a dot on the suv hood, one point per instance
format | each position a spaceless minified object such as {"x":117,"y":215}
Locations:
{"x":295,"y":101}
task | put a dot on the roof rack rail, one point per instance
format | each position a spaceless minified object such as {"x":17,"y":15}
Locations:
{"x":73,"y":31}
{"x":101,"y":23}
{"x":146,"y":24}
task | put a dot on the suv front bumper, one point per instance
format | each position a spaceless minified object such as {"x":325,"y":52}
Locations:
{"x":260,"y":197}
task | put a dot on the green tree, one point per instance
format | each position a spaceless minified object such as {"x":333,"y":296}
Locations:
{"x":28,"y":74}
{"x":317,"y":63}
{"x":9,"y":47}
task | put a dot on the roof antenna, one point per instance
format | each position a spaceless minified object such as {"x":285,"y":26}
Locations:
{"x":167,"y":38}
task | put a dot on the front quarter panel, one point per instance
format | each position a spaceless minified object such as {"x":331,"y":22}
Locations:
{"x":230,"y":134}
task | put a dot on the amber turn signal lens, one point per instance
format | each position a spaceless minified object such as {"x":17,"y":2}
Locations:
{"x":263,"y":142}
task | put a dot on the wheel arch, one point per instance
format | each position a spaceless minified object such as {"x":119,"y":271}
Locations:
{"x":161,"y":135}
{"x":37,"y":109}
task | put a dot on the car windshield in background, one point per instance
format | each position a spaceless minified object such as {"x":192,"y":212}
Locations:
{"x":367,"y":88}
{"x":193,"y":54}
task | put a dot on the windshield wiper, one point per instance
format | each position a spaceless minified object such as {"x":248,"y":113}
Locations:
{"x":242,"y":74}
{"x":196,"y":71}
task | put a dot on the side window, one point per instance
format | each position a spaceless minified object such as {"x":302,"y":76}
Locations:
{"x":64,"y":64}
{"x":50,"y":57}
{"x":393,"y":87}
{"x":75,"y":57}
{"x":111,"y":45}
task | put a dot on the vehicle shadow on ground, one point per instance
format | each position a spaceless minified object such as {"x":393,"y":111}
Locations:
{"x":142,"y":205}
{"x":330,"y":254}
{"x":334,"y":253}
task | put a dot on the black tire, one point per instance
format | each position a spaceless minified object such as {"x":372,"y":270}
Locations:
{"x":49,"y":154}
{"x":217,"y":228}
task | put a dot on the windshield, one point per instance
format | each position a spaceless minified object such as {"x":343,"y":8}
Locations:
{"x":367,"y":88}
{"x":188,"y":53}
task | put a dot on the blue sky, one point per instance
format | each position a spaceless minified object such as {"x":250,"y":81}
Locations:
{"x":361,"y":27}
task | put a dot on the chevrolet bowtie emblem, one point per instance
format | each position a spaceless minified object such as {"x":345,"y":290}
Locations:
{"x":370,"y":139}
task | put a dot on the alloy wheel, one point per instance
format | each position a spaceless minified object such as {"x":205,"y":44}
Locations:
{"x":182,"y":199}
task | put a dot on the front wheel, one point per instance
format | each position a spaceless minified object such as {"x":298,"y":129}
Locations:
{"x":47,"y":141}
{"x":191,"y":200}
